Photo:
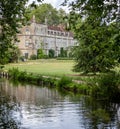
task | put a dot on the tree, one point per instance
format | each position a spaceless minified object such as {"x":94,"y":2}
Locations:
{"x":95,"y":26}
{"x":8,"y":104}
{"x":95,"y":52}
{"x":12,"y":16}
{"x":45,"y":13}
{"x":105,"y":10}
{"x":62,"y":14}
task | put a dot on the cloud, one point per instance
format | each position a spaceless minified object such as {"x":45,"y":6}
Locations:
{"x":55,"y":3}
{"x":52,"y":2}
{"x":58,"y":3}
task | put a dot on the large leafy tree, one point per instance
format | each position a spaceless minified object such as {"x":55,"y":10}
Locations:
{"x":95,"y":24}
{"x":45,"y":13}
{"x":97,"y":49}
{"x":62,"y":14}
{"x":11,"y":18}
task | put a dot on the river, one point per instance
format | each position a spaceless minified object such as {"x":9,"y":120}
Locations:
{"x":25,"y":106}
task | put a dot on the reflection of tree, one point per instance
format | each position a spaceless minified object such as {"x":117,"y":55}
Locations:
{"x":100,"y":114}
{"x":97,"y":114}
{"x":7,"y":109}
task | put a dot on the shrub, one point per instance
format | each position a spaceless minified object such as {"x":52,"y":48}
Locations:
{"x":108,"y":86}
{"x":14,"y":73}
{"x":40,"y":53}
{"x":64,"y":82}
{"x":33,"y":57}
{"x":22,"y":58}
{"x":2,"y":66}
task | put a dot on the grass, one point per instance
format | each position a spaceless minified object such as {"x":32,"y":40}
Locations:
{"x":50,"y":67}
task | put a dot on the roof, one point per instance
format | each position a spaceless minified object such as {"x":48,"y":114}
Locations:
{"x":60,"y":28}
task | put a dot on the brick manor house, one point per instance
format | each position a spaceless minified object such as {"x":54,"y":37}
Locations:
{"x":35,"y":36}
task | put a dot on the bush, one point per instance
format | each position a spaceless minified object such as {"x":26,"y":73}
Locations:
{"x":22,"y":58}
{"x":40,"y":53}
{"x":108,"y":86}
{"x":64,"y":82}
{"x":14,"y":73}
{"x":2,"y":66}
{"x":33,"y":57}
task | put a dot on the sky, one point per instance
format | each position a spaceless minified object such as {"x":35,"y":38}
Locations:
{"x":55,"y":3}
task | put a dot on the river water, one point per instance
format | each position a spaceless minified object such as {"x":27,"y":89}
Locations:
{"x":24,"y":106}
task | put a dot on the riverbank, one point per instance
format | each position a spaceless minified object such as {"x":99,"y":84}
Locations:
{"x":64,"y":82}
{"x":101,"y":86}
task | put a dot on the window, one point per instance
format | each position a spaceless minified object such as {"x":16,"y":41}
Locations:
{"x":48,"y":32}
{"x":26,"y":55}
{"x":51,"y":32}
{"x":26,"y":43}
{"x":27,"y":31}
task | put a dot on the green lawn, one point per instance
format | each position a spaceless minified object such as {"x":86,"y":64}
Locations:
{"x":49,"y":67}
{"x":45,"y":67}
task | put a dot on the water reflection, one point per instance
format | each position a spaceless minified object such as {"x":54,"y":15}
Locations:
{"x":9,"y":111}
{"x":43,"y":108}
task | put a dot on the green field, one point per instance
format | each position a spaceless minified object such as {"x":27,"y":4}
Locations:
{"x":50,"y":67}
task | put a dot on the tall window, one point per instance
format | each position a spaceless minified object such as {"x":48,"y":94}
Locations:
{"x":26,"y":43}
{"x":26,"y":55}
{"x":27,"y":31}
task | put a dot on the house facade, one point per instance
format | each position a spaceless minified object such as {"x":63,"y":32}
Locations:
{"x":35,"y":36}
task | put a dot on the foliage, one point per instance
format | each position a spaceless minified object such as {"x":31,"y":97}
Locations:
{"x":64,"y":82}
{"x":14,"y":54}
{"x":62,"y":14}
{"x":33,"y":57}
{"x":98,"y":38}
{"x":63,"y":53}
{"x":22,"y":58}
{"x":51,"y":53}
{"x":107,"y":86}
{"x":71,"y":52}
{"x":103,"y":10}
{"x":8,"y":105}
{"x":40,"y":53}
{"x":12,"y":17}
{"x":100,"y":115}
{"x":14,"y":73}
{"x":96,"y":50}
{"x":10,"y":55}
{"x":46,"y":14}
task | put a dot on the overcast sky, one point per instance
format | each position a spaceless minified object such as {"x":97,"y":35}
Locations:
{"x":55,"y":3}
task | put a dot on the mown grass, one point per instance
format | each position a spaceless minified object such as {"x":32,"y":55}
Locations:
{"x":50,"y":67}
{"x":45,"y":67}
